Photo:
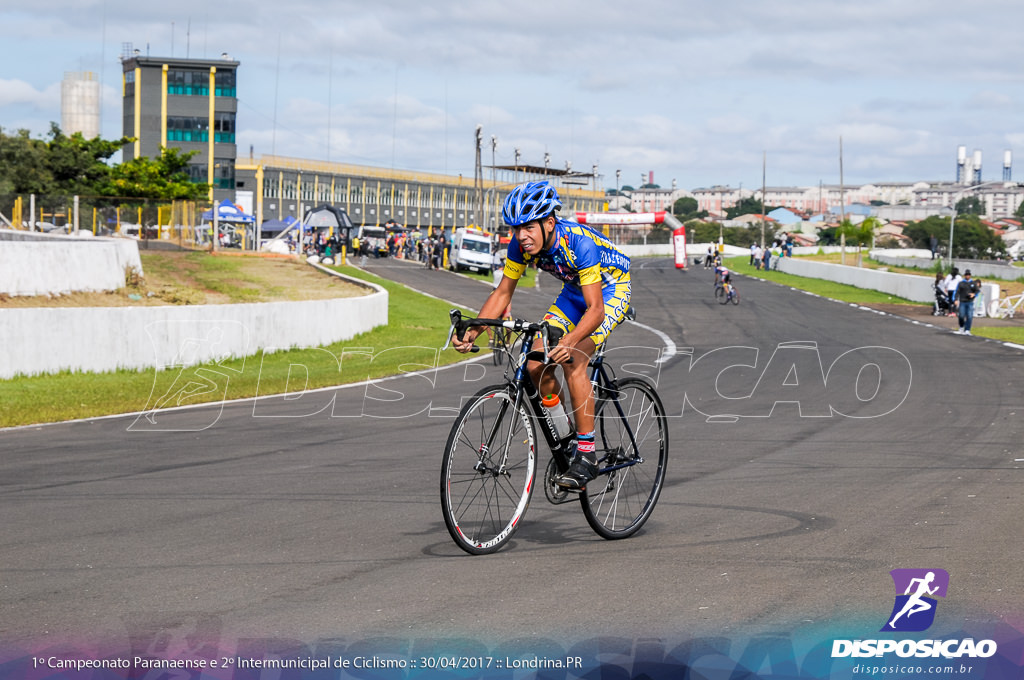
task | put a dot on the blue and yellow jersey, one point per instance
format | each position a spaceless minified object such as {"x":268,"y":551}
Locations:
{"x":581,"y":255}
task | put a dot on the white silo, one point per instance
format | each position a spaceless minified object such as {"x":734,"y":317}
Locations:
{"x":961,"y":164}
{"x":1007,"y":165}
{"x":976,"y":167}
{"x":80,"y":104}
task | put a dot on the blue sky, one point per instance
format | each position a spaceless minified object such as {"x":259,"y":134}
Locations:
{"x":693,"y":90}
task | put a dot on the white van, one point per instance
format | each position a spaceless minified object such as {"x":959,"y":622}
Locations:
{"x":470,"y":249}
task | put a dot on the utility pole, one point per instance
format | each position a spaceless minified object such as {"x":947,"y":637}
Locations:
{"x":764,"y":190}
{"x":478,"y":177}
{"x":494,"y":178}
{"x":842,"y":208}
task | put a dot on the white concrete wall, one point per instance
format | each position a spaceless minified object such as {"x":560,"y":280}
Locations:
{"x":908,"y":286}
{"x":978,"y":269}
{"x":41,"y":264}
{"x":666,"y":249}
{"x":48,"y":340}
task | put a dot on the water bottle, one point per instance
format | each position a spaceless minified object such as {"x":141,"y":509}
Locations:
{"x":557,"y":415}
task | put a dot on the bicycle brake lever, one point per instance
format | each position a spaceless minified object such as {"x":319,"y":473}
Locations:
{"x":456,"y":318}
{"x":448,"y":342}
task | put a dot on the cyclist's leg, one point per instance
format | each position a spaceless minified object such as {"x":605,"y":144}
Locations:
{"x":564,"y":313}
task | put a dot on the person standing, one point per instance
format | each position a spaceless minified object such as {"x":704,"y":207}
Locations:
{"x":952,"y":281}
{"x":966,"y":290}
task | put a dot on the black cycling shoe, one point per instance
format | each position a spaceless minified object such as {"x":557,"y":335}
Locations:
{"x":579,"y":473}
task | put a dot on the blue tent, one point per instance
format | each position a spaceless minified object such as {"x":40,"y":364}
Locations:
{"x":229,"y":212}
{"x":271,"y":227}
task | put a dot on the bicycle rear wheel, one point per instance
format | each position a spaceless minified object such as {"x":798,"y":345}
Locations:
{"x":488,"y":470}
{"x":620,"y":501}
{"x":499,"y":345}
{"x":720,"y":295}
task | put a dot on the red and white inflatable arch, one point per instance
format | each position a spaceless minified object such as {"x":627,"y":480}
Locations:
{"x":638,"y":219}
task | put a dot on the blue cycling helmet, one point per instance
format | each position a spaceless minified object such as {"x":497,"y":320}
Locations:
{"x":529,"y":202}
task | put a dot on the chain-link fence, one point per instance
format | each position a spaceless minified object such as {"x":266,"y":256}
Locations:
{"x":180,"y":222}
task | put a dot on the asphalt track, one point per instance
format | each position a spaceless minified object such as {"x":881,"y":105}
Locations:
{"x":815,"y":446}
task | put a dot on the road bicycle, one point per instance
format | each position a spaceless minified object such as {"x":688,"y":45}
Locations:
{"x":490,"y":459}
{"x":727,"y":293}
{"x":1008,"y":306}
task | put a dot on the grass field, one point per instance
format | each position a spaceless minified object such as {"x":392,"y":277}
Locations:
{"x":862,"y":296}
{"x":417,"y":327}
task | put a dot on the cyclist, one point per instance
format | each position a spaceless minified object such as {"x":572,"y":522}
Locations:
{"x":723,"y":276}
{"x":593,"y":300}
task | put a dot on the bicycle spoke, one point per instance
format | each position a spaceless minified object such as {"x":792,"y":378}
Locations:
{"x":487,"y":473}
{"x":635,"y":449}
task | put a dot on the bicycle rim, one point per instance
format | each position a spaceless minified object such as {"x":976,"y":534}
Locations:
{"x":735,"y":296}
{"x":720,"y":295}
{"x":619,"y":502}
{"x":486,"y":487}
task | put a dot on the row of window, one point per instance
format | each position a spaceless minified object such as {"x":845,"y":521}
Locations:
{"x":200,"y":136}
{"x":197,"y":82}
{"x":223,"y":173}
{"x":190,"y":83}
{"x":196,"y":128}
{"x":367,"y":195}
{"x":201,"y":91}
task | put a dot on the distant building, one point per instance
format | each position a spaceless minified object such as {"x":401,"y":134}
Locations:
{"x":717,"y":199}
{"x":276,"y":187}
{"x":654,"y":199}
{"x":189,"y":104}
{"x":903,"y":200}
{"x":80,"y":104}
{"x":999,"y":199}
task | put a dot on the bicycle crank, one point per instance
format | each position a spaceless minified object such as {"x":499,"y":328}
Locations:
{"x":555,"y":494}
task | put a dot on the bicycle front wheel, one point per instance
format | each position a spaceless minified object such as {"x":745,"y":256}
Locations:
{"x":633,"y":450}
{"x":735,"y":295}
{"x":488,"y":470}
{"x":720,"y":295}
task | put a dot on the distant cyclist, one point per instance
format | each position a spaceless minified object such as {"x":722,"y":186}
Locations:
{"x":593,"y":300}
{"x":723,"y":275}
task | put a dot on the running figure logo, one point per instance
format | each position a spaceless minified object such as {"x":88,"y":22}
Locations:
{"x":914,"y":609}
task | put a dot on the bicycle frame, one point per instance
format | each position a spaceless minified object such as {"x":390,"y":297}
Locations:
{"x":522,"y":383}
{"x":490,"y":460}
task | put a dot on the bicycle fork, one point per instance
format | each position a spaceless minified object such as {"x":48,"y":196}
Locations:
{"x":486,"y":448}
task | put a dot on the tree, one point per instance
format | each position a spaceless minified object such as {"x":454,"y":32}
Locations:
{"x":61,"y":166}
{"x":685,"y":209}
{"x":745,"y":206}
{"x":78,"y":165}
{"x":971,"y":238}
{"x":970,"y":205}
{"x":162,"y":178}
{"x":707,"y":232}
{"x":23,"y":165}
{"x":1019,"y":212}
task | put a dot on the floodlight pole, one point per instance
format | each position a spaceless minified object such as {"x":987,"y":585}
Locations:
{"x":952,"y":220}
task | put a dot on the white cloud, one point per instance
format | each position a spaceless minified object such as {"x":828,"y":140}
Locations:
{"x":696,"y":89}
{"x":20,"y":93}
